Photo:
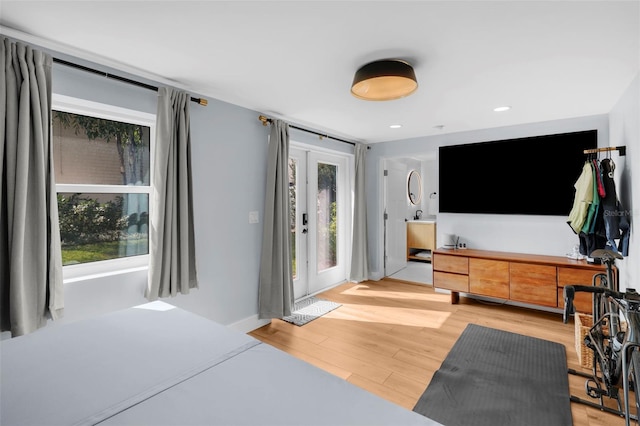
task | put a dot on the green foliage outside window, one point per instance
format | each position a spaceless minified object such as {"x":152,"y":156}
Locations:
{"x":85,"y":220}
{"x":91,"y":230}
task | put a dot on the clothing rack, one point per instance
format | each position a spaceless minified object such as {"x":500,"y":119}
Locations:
{"x":199,"y":101}
{"x":266,"y":121}
{"x":622,"y":150}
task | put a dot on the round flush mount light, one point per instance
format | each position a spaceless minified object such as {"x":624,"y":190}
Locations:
{"x":384,"y":80}
{"x":502,"y":108}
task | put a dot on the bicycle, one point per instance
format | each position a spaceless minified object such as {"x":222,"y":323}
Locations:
{"x":616,"y":351}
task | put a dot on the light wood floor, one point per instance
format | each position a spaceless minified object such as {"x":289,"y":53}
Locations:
{"x":389,"y":337}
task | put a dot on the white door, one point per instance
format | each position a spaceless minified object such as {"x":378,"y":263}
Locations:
{"x":320,"y":207}
{"x":395,"y":228}
{"x":299,"y":221}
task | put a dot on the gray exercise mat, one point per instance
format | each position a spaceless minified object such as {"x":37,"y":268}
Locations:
{"x":493,"y":377}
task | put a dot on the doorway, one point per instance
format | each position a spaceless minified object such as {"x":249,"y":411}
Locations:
{"x":319,"y":194}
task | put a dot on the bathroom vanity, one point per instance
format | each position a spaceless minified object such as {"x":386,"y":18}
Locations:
{"x":421,"y":239}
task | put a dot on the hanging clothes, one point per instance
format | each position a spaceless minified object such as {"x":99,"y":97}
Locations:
{"x":597,"y":215}
{"x":592,"y":235}
{"x":583,"y":198}
{"x":616,"y":218}
{"x":601,"y":190}
{"x":590,"y":217}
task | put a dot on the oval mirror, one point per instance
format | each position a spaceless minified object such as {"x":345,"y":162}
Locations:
{"x":414,"y":187}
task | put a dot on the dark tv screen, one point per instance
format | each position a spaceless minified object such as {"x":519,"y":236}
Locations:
{"x":525,"y":176}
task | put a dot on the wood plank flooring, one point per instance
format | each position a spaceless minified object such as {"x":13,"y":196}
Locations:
{"x":389,"y":337}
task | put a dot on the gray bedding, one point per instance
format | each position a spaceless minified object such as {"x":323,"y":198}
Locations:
{"x":148,"y":367}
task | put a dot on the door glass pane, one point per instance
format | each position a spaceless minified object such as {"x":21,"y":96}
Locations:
{"x":96,"y":227}
{"x":326,"y":229}
{"x":293,"y":192}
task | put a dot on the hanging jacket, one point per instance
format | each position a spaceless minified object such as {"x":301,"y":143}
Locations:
{"x":601,"y":191}
{"x":616,"y":218}
{"x":590,"y":218}
{"x":583,"y":198}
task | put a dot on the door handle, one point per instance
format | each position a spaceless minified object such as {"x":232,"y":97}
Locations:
{"x":305,"y":219}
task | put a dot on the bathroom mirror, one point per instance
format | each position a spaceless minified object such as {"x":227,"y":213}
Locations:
{"x":414,"y":187}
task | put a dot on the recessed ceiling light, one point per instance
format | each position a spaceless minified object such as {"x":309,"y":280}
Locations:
{"x":502,"y":108}
{"x":395,"y":126}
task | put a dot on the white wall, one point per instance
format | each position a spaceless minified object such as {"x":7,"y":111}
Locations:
{"x":548,"y":235}
{"x":624,"y":128}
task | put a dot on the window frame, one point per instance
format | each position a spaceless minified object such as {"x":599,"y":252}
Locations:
{"x":90,"y":270}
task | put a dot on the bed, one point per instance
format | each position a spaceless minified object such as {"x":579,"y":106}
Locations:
{"x":156,"y":364}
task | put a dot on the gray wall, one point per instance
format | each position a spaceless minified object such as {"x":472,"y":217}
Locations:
{"x":229,"y":147}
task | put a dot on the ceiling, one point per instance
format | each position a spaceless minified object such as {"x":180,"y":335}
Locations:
{"x":295,"y":60}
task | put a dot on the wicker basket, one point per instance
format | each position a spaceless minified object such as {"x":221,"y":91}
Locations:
{"x":583,"y":323}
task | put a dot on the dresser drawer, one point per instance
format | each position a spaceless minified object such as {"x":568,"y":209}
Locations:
{"x":536,"y":284}
{"x":572,"y":276}
{"x":448,"y":263}
{"x":454,"y":282}
{"x":489,"y":277}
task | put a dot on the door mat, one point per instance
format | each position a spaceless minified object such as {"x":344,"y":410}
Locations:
{"x":308,"y":309}
{"x":493,"y":377}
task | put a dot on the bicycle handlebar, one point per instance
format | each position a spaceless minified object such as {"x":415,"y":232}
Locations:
{"x":570,"y":291}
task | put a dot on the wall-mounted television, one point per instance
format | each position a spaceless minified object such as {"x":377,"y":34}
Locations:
{"x":524,"y":176}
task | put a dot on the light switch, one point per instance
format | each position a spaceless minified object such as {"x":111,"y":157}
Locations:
{"x":253,"y":217}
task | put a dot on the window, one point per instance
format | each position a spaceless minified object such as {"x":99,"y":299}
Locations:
{"x":102,"y":162}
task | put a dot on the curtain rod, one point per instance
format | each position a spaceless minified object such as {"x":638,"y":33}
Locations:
{"x":200,"y":101}
{"x":622,"y":150}
{"x":266,"y":120}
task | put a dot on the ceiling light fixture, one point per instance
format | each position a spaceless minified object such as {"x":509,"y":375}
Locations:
{"x":395,"y":126}
{"x":502,"y":108}
{"x":384,"y":80}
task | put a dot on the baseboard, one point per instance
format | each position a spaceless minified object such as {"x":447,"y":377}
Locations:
{"x":249,"y":324}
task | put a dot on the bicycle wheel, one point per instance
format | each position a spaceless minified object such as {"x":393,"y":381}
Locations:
{"x":635,"y":378}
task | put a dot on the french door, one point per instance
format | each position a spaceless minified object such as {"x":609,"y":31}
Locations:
{"x":320,"y":220}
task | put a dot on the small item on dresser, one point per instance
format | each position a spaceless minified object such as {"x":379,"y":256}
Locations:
{"x":575,"y":253}
{"x":451,"y":241}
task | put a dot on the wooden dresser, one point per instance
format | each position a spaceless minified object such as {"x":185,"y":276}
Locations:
{"x":527,"y":278}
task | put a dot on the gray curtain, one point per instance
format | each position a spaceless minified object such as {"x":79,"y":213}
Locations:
{"x":172,"y":264}
{"x":31,"y":288}
{"x":275,"y":294}
{"x":359,"y":260}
